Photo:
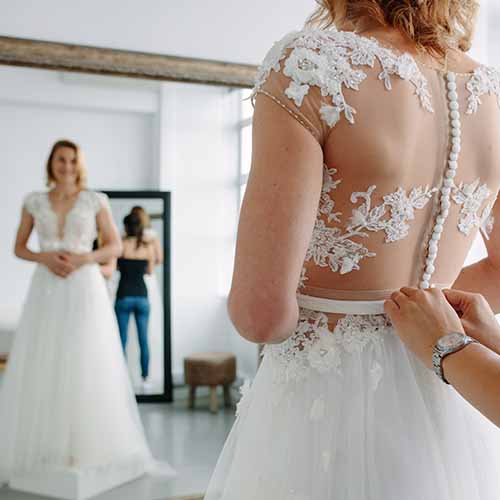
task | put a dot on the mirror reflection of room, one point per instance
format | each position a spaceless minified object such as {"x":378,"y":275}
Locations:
{"x":134,"y":138}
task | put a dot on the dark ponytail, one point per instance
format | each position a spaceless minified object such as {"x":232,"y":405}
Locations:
{"x":134,"y":228}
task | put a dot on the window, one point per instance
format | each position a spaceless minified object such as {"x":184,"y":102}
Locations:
{"x":245,"y":140}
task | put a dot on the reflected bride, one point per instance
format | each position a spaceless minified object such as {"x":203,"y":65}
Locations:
{"x":66,"y":403}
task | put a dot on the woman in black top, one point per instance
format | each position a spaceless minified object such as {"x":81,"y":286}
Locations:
{"x":138,"y":259}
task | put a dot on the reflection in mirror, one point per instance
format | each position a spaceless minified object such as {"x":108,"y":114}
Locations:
{"x":141,"y":140}
{"x":138,"y":290}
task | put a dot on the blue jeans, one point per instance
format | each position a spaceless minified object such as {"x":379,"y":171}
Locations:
{"x":139,"y":306}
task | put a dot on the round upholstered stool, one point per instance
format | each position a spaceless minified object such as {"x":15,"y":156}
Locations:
{"x":212,"y":369}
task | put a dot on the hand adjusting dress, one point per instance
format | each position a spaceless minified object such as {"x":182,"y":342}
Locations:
{"x":66,"y":402}
{"x":341,"y":410}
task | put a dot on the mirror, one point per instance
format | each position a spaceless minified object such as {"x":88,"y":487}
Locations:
{"x":180,"y":150}
{"x":146,"y":338}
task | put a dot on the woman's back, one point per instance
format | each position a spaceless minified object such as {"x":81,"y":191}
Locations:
{"x":389,"y":126}
{"x":135,"y":262}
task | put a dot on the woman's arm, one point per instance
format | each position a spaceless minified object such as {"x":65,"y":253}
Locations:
{"x":475,"y":373}
{"x":108,"y":268}
{"x":24,"y":230}
{"x":276,"y":222}
{"x":483,"y":276}
{"x":151,"y":259}
{"x":421,"y":318}
{"x":57,"y":262}
{"x":110,"y":245}
{"x":158,"y":250}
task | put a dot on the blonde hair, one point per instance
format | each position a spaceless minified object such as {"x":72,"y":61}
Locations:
{"x":143,"y":216}
{"x":433,"y":25}
{"x":81,"y":180}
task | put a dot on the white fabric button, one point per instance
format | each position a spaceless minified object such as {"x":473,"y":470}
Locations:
{"x":429,"y":269}
{"x":455,"y":115}
{"x":453,"y":156}
{"x":454,"y":105}
{"x":426,"y":276}
{"x":424,"y":284}
{"x":433,"y":246}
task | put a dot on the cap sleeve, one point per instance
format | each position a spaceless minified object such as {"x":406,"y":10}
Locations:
{"x":100,"y":201}
{"x":290,"y":76}
{"x":31,"y":202}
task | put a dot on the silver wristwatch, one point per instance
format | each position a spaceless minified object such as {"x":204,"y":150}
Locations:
{"x":446,"y":345}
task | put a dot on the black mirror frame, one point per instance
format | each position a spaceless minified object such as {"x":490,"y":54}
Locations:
{"x":165,"y":196}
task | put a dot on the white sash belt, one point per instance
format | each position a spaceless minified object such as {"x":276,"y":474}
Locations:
{"x":341,"y":306}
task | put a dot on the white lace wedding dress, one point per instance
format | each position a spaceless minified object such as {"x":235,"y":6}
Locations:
{"x":66,"y":401}
{"x":341,"y":410}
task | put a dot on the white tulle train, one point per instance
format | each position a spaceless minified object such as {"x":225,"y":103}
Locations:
{"x":354,"y":416}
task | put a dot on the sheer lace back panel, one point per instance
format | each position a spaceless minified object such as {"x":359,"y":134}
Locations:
{"x":80,"y":226}
{"x":410,"y":156}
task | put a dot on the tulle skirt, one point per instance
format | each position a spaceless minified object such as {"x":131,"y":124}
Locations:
{"x":66,"y":398}
{"x":354,"y":416}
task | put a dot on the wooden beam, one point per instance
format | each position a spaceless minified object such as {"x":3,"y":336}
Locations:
{"x":84,"y":59}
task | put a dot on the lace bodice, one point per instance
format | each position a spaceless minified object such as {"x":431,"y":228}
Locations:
{"x":410,"y":158}
{"x":80,"y":227}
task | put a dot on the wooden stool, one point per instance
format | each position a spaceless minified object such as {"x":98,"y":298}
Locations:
{"x":212,"y":369}
{"x":3,"y":361}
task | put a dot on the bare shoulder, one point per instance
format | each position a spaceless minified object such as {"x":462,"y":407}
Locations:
{"x":460,"y":62}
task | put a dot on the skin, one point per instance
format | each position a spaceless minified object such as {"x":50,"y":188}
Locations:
{"x":482,"y":277}
{"x":62,"y":198}
{"x":278,"y":213}
{"x":158,"y":251}
{"x":421,"y":317}
{"x":275,"y":227}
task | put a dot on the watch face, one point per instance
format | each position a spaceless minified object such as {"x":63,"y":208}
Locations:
{"x":451,"y":341}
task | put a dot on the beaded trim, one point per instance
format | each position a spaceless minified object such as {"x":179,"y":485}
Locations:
{"x":449,"y":175}
{"x":286,"y":108}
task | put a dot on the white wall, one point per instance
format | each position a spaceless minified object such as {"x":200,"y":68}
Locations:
{"x":199,"y":147}
{"x":228,"y":30}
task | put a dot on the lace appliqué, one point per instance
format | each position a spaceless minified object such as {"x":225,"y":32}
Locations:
{"x":332,"y":247}
{"x":484,"y":80}
{"x":471,"y":197}
{"x":314,"y":348}
{"x":401,"y":206}
{"x":80,"y":227}
{"x":325,"y":58}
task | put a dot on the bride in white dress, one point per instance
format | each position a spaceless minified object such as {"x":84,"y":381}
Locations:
{"x":375,"y":164}
{"x":66,"y":402}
